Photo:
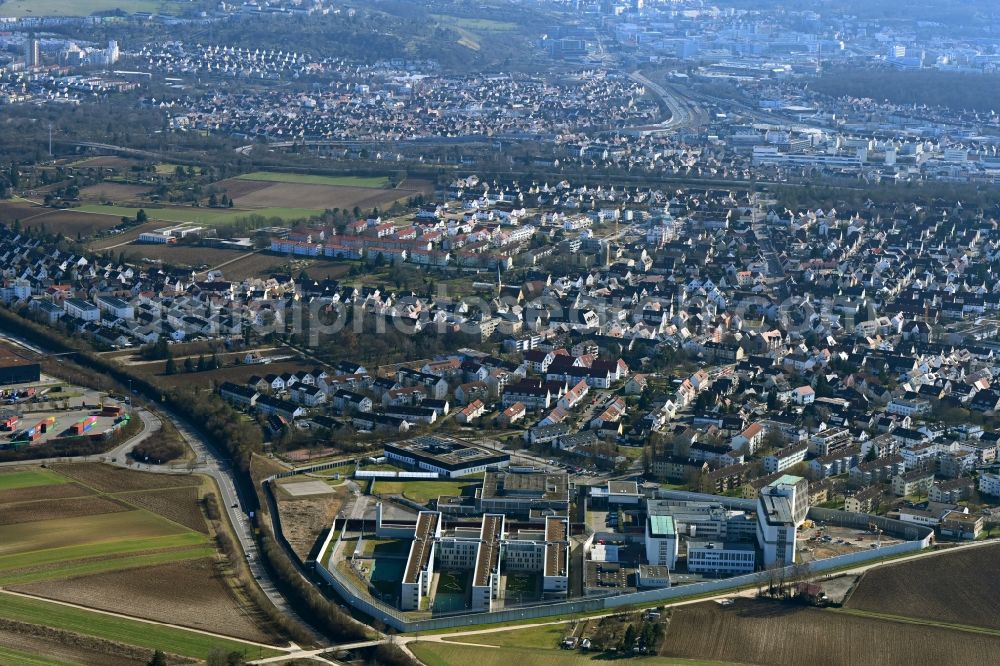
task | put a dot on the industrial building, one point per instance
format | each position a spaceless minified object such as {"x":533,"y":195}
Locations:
{"x":445,"y":455}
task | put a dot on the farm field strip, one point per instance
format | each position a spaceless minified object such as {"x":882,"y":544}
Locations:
{"x":374,"y":182}
{"x":204,"y":216}
{"x":178,"y":505}
{"x":957,"y":588}
{"x":77,"y":552}
{"x":453,"y":654}
{"x":29,"y":479}
{"x":23,"y":8}
{"x":151,"y":635}
{"x":61,"y":491}
{"x":780,"y":634}
{"x":191,"y":594}
{"x":9,"y":657}
{"x":33,"y":511}
{"x":103,"y":565}
{"x":905,"y":619}
{"x":106,"y":479}
{"x":83,"y":530}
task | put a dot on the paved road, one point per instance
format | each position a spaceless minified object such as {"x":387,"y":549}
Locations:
{"x":212,"y":463}
{"x":683,"y":112}
{"x":209,"y":461}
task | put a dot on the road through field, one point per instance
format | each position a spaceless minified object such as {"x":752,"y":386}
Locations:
{"x":133,"y":618}
{"x":209,"y":461}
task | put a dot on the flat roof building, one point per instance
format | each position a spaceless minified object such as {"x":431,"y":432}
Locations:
{"x":555,"y":575}
{"x":445,"y":455}
{"x":486,"y":575}
{"x":419,"y":569}
{"x":519,"y":493}
{"x":781,"y":507}
{"x":718,"y":558}
{"x":662,"y":545}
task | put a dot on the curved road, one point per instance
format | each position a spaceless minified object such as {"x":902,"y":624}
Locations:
{"x":208,"y":461}
{"x":683,"y":112}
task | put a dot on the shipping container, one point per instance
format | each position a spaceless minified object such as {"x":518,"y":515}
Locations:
{"x":112,"y":410}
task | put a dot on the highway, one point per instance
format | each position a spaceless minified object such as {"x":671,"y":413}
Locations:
{"x":683,"y":112}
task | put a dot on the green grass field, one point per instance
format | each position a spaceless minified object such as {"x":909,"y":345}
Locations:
{"x":167,"y":169}
{"x":212,"y":217}
{"x":423,"y":491}
{"x":485,"y":25}
{"x":522,"y":583}
{"x":18,"y":8}
{"x":451,"y":654}
{"x":131,"y":632}
{"x":29,"y":478}
{"x":10,"y":657}
{"x":546,"y":637}
{"x":375,"y":182}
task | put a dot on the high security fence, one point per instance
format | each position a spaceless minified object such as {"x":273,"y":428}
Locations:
{"x":396,"y":619}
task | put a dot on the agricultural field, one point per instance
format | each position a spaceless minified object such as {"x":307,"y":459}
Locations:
{"x":54,"y":491}
{"x":263,"y":190}
{"x":116,"y":192}
{"x":425,"y":491}
{"x":190,"y":593}
{"x":379,"y":182}
{"x":107,"y":479}
{"x":19,"y":209}
{"x":117,"y":540}
{"x":118,"y":629}
{"x":121,"y":240}
{"x":30,"y":478}
{"x":64,"y":539}
{"x":784,"y":635}
{"x":955,"y":588}
{"x":181,"y":255}
{"x":234,"y":264}
{"x":57,"y":647}
{"x":68,"y":222}
{"x":209,"y":217}
{"x":181,"y":505}
{"x":39,"y":510}
{"x":107,"y":162}
{"x":455,"y":654}
{"x":21,"y":8}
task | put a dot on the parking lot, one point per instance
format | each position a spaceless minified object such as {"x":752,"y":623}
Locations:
{"x":57,"y":404}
